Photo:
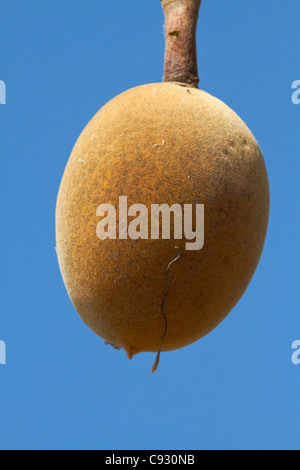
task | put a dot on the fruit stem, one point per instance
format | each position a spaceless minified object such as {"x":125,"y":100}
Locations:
{"x":181,"y":17}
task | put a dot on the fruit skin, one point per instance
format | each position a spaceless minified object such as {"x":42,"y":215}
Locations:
{"x":209,"y":157}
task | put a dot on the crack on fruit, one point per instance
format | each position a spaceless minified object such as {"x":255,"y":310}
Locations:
{"x":155,"y":365}
{"x":117,"y":348}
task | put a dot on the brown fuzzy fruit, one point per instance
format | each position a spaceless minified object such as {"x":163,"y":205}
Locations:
{"x":162,"y":143}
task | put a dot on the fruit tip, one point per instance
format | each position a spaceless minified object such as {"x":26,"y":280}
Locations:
{"x":155,"y":365}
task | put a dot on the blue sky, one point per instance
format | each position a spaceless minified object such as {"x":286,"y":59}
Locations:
{"x":62,"y":388}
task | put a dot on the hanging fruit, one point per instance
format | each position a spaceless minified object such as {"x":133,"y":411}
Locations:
{"x":171,"y":150}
